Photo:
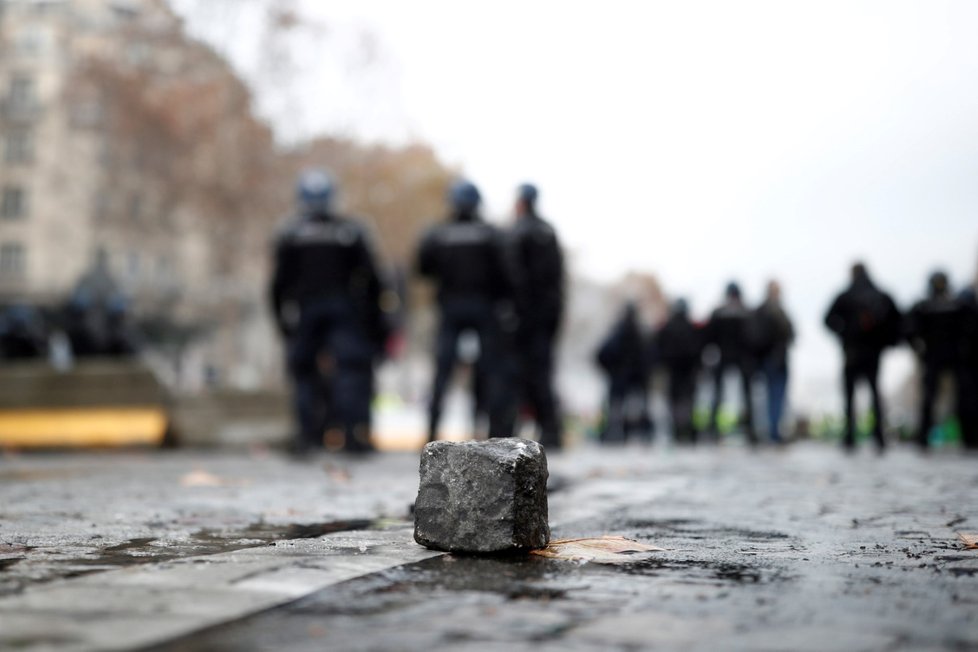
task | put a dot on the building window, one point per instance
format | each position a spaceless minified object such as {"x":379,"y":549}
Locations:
{"x":13,"y":203}
{"x":22,"y":93}
{"x":18,"y":147}
{"x":12,"y":260}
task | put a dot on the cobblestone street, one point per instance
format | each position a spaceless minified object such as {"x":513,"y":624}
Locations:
{"x":802,"y":548}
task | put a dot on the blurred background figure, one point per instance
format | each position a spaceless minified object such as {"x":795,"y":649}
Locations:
{"x":866,"y":321}
{"x":936,"y":330}
{"x":96,"y":317}
{"x":22,"y":333}
{"x":772,"y":334}
{"x":538,"y":275}
{"x":325,"y":291}
{"x":727,"y":331}
{"x":680,"y":348}
{"x":967,"y":381}
{"x":624,"y":358}
{"x":464,"y":256}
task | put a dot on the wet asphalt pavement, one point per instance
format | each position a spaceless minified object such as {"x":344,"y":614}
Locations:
{"x":798,"y":549}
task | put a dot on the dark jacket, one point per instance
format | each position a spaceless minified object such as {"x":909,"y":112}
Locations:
{"x":771,"y":334}
{"x":865,"y":318}
{"x":936,"y":328}
{"x":679,"y":343}
{"x":325,"y":257}
{"x":624,"y":354}
{"x":537,"y":267}
{"x":727,"y":330}
{"x":465,"y":257}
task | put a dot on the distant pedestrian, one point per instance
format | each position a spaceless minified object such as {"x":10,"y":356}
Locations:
{"x":967,"y":380}
{"x":22,"y":333}
{"x":624,"y":357}
{"x":936,"y":330}
{"x":465,"y":257}
{"x":325,"y":295}
{"x":867,"y":321}
{"x":538,"y":274}
{"x":727,"y":331}
{"x":772,"y":334}
{"x":680,"y":349}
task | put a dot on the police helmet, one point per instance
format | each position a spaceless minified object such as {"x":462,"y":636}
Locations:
{"x":464,"y":196}
{"x":315,"y":191}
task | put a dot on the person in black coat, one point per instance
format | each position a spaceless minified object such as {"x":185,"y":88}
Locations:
{"x":465,"y":257}
{"x":624,"y":357}
{"x":325,"y":297}
{"x":967,"y":371}
{"x":680,"y":348}
{"x":867,"y":321}
{"x":772,"y":334}
{"x":538,"y":274}
{"x":727,"y":331}
{"x":936,"y":330}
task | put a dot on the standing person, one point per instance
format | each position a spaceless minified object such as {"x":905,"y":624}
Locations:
{"x":325,"y":293}
{"x":773,"y":334}
{"x":727,"y":330}
{"x":935,"y":328}
{"x":867,"y":321}
{"x":680,"y":346}
{"x":967,"y":376}
{"x":538,"y":274}
{"x":464,"y":256}
{"x":623,"y":356}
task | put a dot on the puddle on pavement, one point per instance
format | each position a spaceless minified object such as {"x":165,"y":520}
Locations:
{"x":699,"y":571}
{"x":695,"y":529}
{"x":144,"y":550}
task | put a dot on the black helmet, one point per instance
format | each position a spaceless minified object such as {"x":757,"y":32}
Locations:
{"x":464,"y":196}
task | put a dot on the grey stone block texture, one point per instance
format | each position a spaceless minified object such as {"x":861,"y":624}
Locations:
{"x":482,"y":497}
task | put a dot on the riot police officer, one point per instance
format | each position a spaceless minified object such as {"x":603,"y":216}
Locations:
{"x":538,"y":274}
{"x":464,"y":256}
{"x":866,"y":321}
{"x":935,"y":328}
{"x":325,"y":294}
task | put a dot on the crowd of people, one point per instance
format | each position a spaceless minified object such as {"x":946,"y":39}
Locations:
{"x":753,"y":344}
{"x":941,"y":328}
{"x":93,"y":322}
{"x":504,"y":287}
{"x":504,"y":290}
{"x":734,"y":340}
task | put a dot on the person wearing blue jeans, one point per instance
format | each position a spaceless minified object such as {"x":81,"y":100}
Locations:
{"x":773,"y":333}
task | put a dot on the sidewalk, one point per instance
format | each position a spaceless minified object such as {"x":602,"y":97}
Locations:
{"x":797,"y":549}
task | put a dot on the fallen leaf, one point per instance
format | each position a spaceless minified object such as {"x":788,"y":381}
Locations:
{"x":200,"y":478}
{"x":970,"y":540}
{"x":602,"y":550}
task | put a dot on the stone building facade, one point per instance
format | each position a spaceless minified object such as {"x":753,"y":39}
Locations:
{"x":121,"y":137}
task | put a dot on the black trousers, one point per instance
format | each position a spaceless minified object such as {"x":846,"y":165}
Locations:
{"x":535,"y":346}
{"x":458,"y":316}
{"x":967,"y":403}
{"x":329,"y":330}
{"x":744,"y":372}
{"x":682,"y":398}
{"x":864,"y":366}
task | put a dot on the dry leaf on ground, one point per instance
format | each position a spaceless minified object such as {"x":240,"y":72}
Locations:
{"x":201,"y":478}
{"x":970,"y":540}
{"x":603,"y":550}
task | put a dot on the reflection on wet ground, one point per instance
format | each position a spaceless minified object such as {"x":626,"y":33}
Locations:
{"x":145,"y":550}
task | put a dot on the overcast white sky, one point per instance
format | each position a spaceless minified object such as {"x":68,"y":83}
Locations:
{"x":701,"y":141}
